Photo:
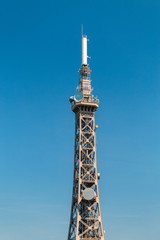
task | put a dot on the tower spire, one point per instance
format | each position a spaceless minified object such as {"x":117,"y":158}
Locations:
{"x":84,"y":50}
{"x":84,"y":81}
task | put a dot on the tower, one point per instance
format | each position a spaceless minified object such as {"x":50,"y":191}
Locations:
{"x":85,"y":219}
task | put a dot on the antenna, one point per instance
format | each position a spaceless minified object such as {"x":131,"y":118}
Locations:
{"x":84,"y":48}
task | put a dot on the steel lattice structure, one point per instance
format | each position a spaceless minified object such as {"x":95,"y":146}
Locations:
{"x":85,"y":220}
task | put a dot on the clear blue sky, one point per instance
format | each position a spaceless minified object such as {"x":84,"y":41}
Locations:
{"x":40,"y":53}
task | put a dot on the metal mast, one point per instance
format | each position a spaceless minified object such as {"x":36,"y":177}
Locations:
{"x":85,"y":220}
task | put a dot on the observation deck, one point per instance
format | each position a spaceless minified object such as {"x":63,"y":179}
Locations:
{"x":91,"y":103}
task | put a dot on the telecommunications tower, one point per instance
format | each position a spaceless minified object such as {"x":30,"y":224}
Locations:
{"x":85,"y":219}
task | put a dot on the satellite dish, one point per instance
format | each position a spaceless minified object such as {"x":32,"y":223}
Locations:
{"x":89,"y":194}
{"x":78,"y":96}
{"x":71,"y":99}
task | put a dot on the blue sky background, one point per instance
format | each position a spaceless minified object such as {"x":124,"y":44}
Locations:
{"x":40,"y":53}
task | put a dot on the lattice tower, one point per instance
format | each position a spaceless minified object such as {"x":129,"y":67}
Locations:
{"x":85,"y":220}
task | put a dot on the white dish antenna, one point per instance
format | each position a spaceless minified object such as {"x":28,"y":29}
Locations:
{"x":89,"y":194}
{"x":78,"y":96}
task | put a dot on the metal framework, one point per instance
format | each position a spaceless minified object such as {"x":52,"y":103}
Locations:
{"x":85,"y":219}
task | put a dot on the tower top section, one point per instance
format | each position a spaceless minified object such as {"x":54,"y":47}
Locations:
{"x":84,"y":97}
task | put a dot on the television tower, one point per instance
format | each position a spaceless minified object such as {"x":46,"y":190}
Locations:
{"x":85,"y":220}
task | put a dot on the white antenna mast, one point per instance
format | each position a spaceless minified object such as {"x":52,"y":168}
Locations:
{"x":84,"y":48}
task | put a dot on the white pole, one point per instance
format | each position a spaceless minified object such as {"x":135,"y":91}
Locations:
{"x":84,"y":50}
